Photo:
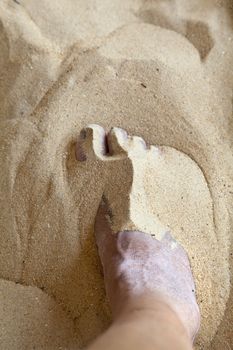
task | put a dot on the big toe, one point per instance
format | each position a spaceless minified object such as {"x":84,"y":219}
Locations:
{"x":92,"y":143}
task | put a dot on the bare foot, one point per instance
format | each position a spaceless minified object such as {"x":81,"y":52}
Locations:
{"x":137,"y":266}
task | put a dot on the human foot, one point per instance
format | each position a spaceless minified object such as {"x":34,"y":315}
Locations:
{"x":144,"y":273}
{"x":124,"y":159}
{"x":137,"y":268}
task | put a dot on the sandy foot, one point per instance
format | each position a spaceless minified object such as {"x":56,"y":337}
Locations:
{"x":161,"y":70}
{"x":134,"y":263}
{"x":125,"y":190}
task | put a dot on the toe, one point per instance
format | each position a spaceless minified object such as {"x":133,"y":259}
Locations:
{"x":91,"y":143}
{"x":138,"y":143}
{"x":117,"y":141}
{"x":155,"y":152}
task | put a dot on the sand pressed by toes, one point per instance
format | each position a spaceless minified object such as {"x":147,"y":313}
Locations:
{"x":159,"y":69}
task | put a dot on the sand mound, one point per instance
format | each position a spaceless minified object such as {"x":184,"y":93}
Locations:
{"x":161,"y":72}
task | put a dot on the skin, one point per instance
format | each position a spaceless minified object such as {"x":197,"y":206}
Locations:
{"x":149,"y":285}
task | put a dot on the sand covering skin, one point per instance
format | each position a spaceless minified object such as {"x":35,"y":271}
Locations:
{"x":163,"y":71}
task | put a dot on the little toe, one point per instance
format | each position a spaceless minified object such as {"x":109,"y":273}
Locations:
{"x":92,"y":143}
{"x":117,"y":141}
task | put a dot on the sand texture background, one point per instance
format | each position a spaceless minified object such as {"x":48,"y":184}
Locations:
{"x":162,"y":70}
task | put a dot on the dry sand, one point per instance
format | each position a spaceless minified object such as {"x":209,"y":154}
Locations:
{"x":161,"y":70}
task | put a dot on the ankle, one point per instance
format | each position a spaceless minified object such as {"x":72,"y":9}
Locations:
{"x":155,"y":311}
{"x":154,"y":318}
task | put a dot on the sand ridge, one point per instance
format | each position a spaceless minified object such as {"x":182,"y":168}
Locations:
{"x":161,"y":70}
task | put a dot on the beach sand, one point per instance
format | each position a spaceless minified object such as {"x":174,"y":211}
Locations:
{"x":161,"y":70}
